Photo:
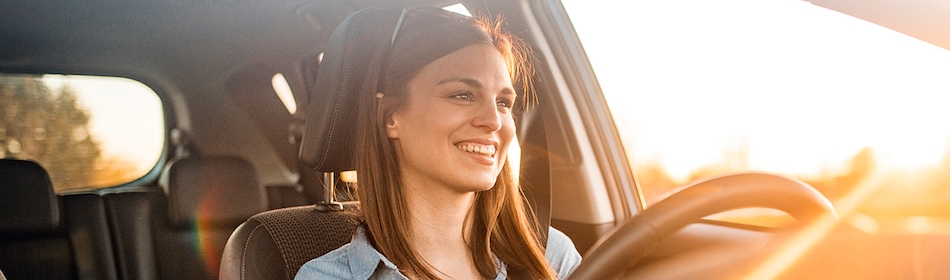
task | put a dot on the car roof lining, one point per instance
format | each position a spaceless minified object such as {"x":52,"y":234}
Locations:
{"x":83,"y":37}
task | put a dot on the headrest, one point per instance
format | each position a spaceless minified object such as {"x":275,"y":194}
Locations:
{"x":327,"y":143}
{"x":211,"y":190}
{"x":27,"y":200}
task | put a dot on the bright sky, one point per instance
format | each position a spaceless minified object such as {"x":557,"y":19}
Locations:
{"x":803,"y":87}
{"x":127,"y":131}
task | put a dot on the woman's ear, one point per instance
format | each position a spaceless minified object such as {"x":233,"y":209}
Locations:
{"x":392,"y":126}
{"x":392,"y":129}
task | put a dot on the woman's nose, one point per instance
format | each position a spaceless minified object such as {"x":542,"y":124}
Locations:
{"x":488,"y":116}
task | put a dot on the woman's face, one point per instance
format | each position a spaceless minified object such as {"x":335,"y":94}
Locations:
{"x":454,"y":129}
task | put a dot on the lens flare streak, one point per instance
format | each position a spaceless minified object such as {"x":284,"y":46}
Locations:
{"x":803,"y":241}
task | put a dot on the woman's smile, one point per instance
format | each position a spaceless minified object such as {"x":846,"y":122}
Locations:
{"x":485,"y":154}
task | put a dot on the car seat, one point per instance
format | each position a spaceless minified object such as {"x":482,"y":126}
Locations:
{"x":208,"y":196}
{"x":45,"y":236}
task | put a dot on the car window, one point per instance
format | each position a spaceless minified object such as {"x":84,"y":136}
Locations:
{"x":88,"y":132}
{"x":283,"y":91}
{"x":700,"y":88}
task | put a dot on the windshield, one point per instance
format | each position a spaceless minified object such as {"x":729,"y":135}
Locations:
{"x":700,"y":88}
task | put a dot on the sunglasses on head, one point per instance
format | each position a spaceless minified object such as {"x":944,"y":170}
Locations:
{"x":424,"y":11}
{"x":430,"y":14}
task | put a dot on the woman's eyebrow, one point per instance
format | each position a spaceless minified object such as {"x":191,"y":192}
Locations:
{"x":469,"y":81}
{"x":475,"y":83}
{"x":509,"y":91}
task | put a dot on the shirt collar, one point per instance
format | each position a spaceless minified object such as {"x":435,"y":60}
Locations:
{"x":365,"y":259}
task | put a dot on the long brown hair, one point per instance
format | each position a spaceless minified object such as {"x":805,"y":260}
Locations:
{"x":502,"y":226}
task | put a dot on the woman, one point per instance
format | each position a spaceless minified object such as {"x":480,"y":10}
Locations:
{"x":437,"y":195}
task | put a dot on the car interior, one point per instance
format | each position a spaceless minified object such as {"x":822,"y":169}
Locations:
{"x":248,"y":185}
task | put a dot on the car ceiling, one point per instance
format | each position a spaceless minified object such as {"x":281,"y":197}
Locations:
{"x":166,"y":38}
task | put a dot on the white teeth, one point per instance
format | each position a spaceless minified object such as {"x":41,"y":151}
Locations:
{"x":487,"y":150}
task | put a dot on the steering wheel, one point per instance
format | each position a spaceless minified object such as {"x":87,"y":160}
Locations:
{"x":620,"y":248}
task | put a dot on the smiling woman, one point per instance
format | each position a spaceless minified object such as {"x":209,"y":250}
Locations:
{"x":709,"y":87}
{"x":434,"y":96}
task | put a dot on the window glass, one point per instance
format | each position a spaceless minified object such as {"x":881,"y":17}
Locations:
{"x":700,"y":88}
{"x":284,"y":93}
{"x":88,"y":132}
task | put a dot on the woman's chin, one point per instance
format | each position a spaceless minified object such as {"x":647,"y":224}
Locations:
{"x":480,"y":186}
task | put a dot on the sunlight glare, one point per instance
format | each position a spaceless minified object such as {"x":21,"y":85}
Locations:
{"x":789,"y":252}
{"x":792,"y":87}
{"x":282,"y":88}
{"x":919,"y":225}
{"x":514,"y":158}
{"x":458,"y":8}
{"x":864,"y":223}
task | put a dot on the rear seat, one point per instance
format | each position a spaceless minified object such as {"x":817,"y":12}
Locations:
{"x":201,"y":201}
{"x":131,"y":217}
{"x":176,"y":232}
{"x":208,"y":197}
{"x":43,"y":236}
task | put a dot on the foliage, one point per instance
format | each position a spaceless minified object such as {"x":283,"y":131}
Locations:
{"x":49,"y":127}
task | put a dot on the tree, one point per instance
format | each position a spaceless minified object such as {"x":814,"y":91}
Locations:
{"x":49,"y":127}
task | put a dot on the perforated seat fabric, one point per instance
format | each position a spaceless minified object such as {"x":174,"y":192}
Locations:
{"x":275,"y":244}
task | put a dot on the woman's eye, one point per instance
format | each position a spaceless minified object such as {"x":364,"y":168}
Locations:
{"x":505,"y":103}
{"x":463,"y":96}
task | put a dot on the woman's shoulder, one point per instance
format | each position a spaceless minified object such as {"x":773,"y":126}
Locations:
{"x":556,"y":237}
{"x":332,"y":265}
{"x":561,"y":253}
{"x":355,"y":260}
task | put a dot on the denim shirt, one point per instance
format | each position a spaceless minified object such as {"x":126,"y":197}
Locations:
{"x":359,"y":260}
